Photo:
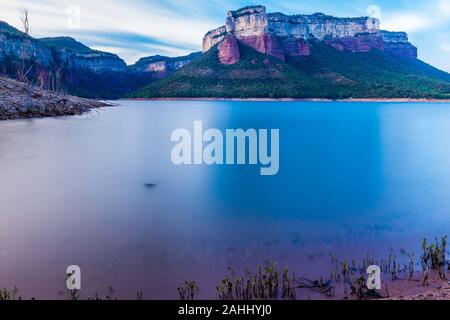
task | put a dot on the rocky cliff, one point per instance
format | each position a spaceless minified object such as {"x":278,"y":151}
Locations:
{"x":64,"y":64}
{"x":163,"y":64}
{"x":229,"y":50}
{"x":59,"y":64}
{"x":50,"y":52}
{"x":397,"y":44}
{"x":285,"y":36}
{"x":74,"y":55}
{"x":15,"y":45}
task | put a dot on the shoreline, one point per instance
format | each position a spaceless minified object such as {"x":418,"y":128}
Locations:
{"x":390,"y":100}
{"x":19,"y":100}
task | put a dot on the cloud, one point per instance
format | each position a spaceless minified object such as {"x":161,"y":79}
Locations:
{"x":445,"y":46}
{"x":117,"y":24}
{"x":132,"y":46}
{"x":420,"y":16}
{"x":409,"y":22}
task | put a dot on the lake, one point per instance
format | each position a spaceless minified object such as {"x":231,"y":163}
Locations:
{"x":100,"y":191}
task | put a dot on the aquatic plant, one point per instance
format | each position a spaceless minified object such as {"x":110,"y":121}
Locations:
{"x":262,"y":285}
{"x":394,"y":269}
{"x":344,"y":271}
{"x":9,"y":295}
{"x":411,"y":266}
{"x":360,"y":290}
{"x":188,"y":291}
{"x":288,"y":285}
{"x":109,"y":296}
{"x":265,"y":285}
{"x":434,"y":256}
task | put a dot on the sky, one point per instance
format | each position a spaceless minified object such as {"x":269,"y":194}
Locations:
{"x":138,"y":28}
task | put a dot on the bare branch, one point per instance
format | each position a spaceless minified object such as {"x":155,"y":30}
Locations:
{"x":25,"y":19}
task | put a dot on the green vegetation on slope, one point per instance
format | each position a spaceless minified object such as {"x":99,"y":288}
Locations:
{"x":67,"y":43}
{"x":9,"y":30}
{"x":327,"y":73}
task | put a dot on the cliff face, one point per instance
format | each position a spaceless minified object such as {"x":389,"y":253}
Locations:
{"x":249,"y":21}
{"x":229,"y":50}
{"x":15,"y":45}
{"x":74,"y":55}
{"x":357,"y":43}
{"x":64,"y":64}
{"x":213,"y":37}
{"x":50,"y":52}
{"x":285,"y":36}
{"x":55,"y":63}
{"x":320,"y":26}
{"x":97,"y":62}
{"x":325,"y":73}
{"x":397,"y":44}
{"x":162,"y":64}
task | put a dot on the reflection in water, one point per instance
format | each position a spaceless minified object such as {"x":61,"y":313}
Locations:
{"x":101,"y":192}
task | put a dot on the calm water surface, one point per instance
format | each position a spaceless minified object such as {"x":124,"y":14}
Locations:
{"x":100,"y":191}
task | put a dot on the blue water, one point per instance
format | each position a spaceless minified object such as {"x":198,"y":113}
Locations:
{"x":100,"y":191}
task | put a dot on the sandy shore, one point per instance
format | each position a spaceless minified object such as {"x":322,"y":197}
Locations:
{"x":434,"y":289}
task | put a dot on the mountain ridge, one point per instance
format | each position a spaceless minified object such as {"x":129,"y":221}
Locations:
{"x":65,"y":64}
{"x":264,"y":55}
{"x":285,"y":36}
{"x":254,"y":55}
{"x":160,"y":63}
{"x":258,"y":75}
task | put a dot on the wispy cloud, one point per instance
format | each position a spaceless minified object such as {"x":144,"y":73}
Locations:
{"x":148,"y":26}
{"x":445,"y":46}
{"x":418,"y":16}
{"x":131,"y":45}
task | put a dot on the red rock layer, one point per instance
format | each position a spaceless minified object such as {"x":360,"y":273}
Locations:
{"x":360,"y":43}
{"x":267,"y":43}
{"x":270,"y":44}
{"x":404,"y":50}
{"x":296,"y":47}
{"x":229,"y":50}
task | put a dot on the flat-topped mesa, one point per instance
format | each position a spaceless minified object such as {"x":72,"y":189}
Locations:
{"x":254,"y":21}
{"x":285,"y":36}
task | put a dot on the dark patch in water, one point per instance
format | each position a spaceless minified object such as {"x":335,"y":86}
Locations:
{"x":150,"y":185}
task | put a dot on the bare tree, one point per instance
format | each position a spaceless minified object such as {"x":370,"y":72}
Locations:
{"x":25,"y":19}
{"x":41,"y":79}
{"x":56,"y":77}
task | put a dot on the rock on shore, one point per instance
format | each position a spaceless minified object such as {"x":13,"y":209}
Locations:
{"x":21,"y":100}
{"x":440,"y":292}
